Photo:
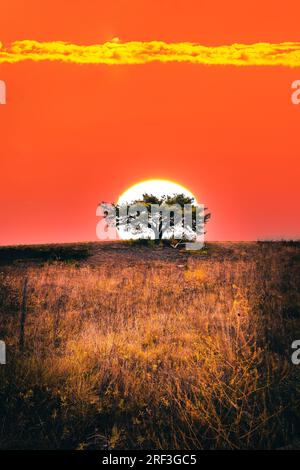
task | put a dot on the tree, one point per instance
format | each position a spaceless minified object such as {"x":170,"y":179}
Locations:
{"x":172,"y":218}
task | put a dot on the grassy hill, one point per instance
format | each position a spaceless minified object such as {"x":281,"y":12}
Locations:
{"x":125,"y":346}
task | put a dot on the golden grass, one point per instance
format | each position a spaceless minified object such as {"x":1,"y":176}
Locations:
{"x":158,"y":356}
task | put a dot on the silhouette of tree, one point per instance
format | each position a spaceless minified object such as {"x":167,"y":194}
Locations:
{"x":160,"y":217}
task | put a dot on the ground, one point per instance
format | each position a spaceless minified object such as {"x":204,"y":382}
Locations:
{"x":123,"y":346}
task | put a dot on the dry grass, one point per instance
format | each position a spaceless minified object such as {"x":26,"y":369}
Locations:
{"x":191,"y":351}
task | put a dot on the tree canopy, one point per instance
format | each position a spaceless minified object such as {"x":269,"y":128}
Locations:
{"x":170,"y":217}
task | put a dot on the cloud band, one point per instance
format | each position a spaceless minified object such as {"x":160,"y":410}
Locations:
{"x":138,"y":52}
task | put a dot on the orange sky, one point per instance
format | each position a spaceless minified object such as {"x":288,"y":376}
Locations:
{"x":74,"y":135}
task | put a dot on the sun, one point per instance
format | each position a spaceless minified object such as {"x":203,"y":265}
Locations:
{"x":156,"y":187}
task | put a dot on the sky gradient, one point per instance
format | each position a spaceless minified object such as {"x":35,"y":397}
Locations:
{"x":75,"y":134}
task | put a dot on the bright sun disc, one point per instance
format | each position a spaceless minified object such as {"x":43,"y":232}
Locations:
{"x":158,"y":188}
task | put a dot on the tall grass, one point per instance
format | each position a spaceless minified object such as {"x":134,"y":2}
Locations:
{"x":162,"y":355}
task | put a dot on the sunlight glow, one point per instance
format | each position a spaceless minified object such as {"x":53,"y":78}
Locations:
{"x":156,"y":187}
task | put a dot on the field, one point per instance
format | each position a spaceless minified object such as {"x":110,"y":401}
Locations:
{"x":121,"y":346}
